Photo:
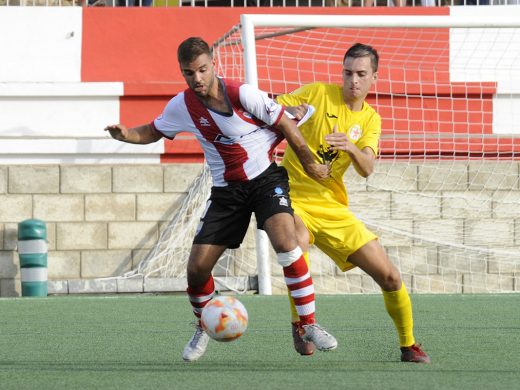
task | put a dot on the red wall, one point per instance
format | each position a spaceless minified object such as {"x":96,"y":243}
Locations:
{"x":138,"y":46}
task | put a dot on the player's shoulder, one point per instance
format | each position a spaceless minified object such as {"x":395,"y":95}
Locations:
{"x":239,"y":90}
{"x":233,"y":84}
{"x":327,"y":91}
{"x":371,"y":116}
{"x":177,"y":101}
{"x":318,"y":90}
{"x":370,"y":111}
{"x":319,"y":86}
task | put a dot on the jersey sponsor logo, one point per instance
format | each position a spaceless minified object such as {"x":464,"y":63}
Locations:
{"x":332,"y":116}
{"x":355,"y":132}
{"x":284,"y":201}
{"x":204,"y":122}
{"x":231,"y":139}
{"x":222,"y":139}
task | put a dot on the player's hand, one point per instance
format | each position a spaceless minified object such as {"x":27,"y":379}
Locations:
{"x":339,"y":140}
{"x":317,"y":171}
{"x":297,"y":111}
{"x":119,"y":132}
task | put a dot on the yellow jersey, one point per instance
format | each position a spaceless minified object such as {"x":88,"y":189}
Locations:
{"x":363,"y":128}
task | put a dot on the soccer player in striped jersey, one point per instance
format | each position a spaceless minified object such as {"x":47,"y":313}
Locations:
{"x":238,"y":127}
{"x":345,"y":131}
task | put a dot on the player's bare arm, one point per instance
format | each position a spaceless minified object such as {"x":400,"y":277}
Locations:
{"x":297,"y":142}
{"x":363,"y":160}
{"x":144,"y":134}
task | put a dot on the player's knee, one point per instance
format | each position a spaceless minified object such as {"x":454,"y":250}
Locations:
{"x":197,"y":274}
{"x":285,"y":259}
{"x":391,"y":281}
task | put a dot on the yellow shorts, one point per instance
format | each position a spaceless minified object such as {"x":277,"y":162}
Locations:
{"x":337,"y":232}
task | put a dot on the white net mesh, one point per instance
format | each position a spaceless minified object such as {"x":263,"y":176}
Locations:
{"x":445,"y":197}
{"x":168,"y":258}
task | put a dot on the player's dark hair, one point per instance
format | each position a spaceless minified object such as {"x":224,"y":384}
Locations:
{"x":191,"y":48}
{"x":360,"y":50}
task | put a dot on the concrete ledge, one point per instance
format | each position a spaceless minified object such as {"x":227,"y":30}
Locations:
{"x":62,"y":89}
{"x":138,"y":284}
{"x":92,"y":286}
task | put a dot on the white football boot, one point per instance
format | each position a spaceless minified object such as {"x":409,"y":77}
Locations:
{"x":322,"y":339}
{"x":196,"y":346}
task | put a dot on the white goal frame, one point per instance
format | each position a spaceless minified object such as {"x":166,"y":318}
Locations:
{"x":250,"y":21}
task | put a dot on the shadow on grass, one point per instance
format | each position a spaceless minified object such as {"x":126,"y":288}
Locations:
{"x":234,"y":366}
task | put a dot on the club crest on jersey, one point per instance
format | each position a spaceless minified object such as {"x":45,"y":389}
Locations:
{"x":355,"y":132}
{"x":327,"y":154}
{"x":204,"y":122}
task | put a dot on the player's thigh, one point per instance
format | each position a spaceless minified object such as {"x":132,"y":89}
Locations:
{"x":281,"y":231}
{"x":302,"y":233}
{"x":372,"y":259}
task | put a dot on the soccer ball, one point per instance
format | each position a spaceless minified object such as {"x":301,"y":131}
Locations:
{"x":224,"y":318}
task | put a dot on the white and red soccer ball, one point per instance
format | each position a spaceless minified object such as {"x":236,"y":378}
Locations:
{"x":224,"y":318}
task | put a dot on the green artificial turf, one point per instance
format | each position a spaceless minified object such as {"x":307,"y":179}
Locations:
{"x":135,"y":342}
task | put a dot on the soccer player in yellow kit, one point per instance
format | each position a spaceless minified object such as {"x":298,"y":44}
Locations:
{"x":344,"y":130}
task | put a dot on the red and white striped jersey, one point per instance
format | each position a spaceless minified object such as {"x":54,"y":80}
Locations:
{"x":237,"y":146}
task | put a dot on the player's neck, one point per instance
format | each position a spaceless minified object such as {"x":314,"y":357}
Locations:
{"x":355,"y":105}
{"x":216,"y":98}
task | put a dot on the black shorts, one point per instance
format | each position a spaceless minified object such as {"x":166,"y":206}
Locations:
{"x":229,"y":209}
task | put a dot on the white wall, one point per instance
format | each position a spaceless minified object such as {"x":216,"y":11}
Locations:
{"x":490,"y":55}
{"x":40,"y":44}
{"x":47,"y":115}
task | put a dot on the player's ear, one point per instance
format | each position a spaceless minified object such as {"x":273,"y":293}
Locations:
{"x":375,"y":76}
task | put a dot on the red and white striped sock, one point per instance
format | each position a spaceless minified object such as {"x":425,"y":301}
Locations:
{"x":301,"y":288}
{"x":200,"y":296}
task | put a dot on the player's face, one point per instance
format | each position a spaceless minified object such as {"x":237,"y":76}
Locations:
{"x":358,"y":77}
{"x":200,"y":75}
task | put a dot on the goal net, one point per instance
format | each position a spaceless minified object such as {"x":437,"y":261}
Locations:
{"x":445,"y":196}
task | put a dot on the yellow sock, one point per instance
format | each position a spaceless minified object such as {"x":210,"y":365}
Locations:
{"x":294,"y":313}
{"x":399,"y":306}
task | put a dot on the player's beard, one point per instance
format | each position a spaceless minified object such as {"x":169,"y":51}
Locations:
{"x":201,"y":90}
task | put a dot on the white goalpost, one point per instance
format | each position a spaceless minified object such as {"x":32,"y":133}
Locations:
{"x":445,"y":197}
